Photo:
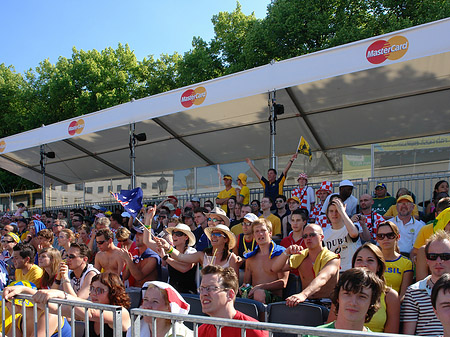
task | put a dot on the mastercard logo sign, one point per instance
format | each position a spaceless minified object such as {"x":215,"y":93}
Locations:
{"x":2,"y":146}
{"x":193,"y":97}
{"x":76,"y":127}
{"x":392,"y":49}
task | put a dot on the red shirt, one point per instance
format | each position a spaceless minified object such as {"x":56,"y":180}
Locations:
{"x":289,"y":240}
{"x":208,"y":330}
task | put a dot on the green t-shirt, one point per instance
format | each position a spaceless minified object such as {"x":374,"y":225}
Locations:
{"x":331,"y":326}
{"x":381,"y":205}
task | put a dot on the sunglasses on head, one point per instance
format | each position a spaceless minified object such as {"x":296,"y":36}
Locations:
{"x":390,"y":236}
{"x":311,"y":235}
{"x":434,"y":256}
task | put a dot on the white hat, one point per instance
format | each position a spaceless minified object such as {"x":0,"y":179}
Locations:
{"x":225,"y":230}
{"x":181,"y":227}
{"x":176,"y":302}
{"x":346,"y":183}
{"x":251,"y":217}
{"x":220,"y":213}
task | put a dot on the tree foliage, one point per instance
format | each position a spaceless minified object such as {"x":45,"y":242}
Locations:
{"x":93,"y":80}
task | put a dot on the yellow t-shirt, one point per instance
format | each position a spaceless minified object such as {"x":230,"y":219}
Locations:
{"x":34,"y":275}
{"x":245,"y":193}
{"x":376,"y":324}
{"x":237,"y":229}
{"x":424,"y":233}
{"x":226,"y":194}
{"x":395,"y":270}
{"x":276,"y":224}
{"x":392,"y":211}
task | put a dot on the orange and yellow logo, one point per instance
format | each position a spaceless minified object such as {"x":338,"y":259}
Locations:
{"x":2,"y":146}
{"x":76,"y":127}
{"x":193,"y":96}
{"x":392,"y":49}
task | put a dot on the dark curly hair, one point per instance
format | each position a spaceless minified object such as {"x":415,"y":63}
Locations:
{"x":117,"y":294}
{"x":354,"y":280}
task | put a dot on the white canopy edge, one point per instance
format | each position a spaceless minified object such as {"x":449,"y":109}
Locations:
{"x":425,"y":40}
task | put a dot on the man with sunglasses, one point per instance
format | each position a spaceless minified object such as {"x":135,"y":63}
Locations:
{"x":76,"y":275}
{"x":323,"y":263}
{"x":108,"y":259}
{"x":417,"y":313}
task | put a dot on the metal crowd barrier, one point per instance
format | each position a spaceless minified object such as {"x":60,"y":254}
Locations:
{"x":116,"y":311}
{"x":271,"y":328}
{"x":137,"y":314}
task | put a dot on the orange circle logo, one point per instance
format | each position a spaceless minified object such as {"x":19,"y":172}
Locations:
{"x":76,"y":127}
{"x":392,"y":49}
{"x":2,"y":146}
{"x":193,"y":96}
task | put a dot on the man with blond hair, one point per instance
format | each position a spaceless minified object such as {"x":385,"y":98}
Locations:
{"x":266,"y":284}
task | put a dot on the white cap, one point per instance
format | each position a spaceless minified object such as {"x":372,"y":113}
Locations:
{"x":251,"y":217}
{"x":346,"y":183}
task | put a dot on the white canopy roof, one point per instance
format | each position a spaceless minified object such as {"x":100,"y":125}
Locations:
{"x":335,"y":98}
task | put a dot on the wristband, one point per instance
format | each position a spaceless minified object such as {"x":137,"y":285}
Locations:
{"x":165,"y":257}
{"x":170,"y":250}
{"x":65,"y":281}
{"x":58,"y":282}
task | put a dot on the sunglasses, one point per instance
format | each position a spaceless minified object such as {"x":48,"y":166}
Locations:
{"x":71,"y":256}
{"x":390,"y":236}
{"x":97,"y":291}
{"x":178,"y":233}
{"x":6,"y":241}
{"x":310,"y":235}
{"x":434,"y":256}
{"x":124,"y":240}
{"x":278,"y":201}
{"x":100,"y":242}
{"x":216,"y":220}
{"x":218,"y":235}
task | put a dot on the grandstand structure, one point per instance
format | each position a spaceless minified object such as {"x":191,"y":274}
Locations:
{"x":372,"y":110}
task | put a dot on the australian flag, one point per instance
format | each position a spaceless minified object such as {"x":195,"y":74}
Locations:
{"x":131,"y":200}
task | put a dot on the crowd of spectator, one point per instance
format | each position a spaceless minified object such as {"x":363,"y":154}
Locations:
{"x":243,"y":248}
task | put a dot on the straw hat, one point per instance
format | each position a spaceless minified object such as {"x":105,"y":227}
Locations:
{"x":220,"y":213}
{"x":181,"y":227}
{"x":225,"y":230}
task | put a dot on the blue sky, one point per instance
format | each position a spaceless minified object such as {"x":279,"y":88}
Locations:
{"x":33,"y":31}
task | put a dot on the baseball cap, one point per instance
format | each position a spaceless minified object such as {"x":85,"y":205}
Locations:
{"x":250,"y":217}
{"x":346,"y":183}
{"x":227,"y":176}
{"x":380,"y":185}
{"x":405,"y":197}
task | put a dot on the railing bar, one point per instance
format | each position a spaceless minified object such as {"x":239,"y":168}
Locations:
{"x":59,"y":320}
{"x":24,"y":318}
{"x":46,"y":313}
{"x":102,"y":322}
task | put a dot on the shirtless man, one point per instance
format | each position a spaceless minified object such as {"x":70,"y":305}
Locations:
{"x":267,"y":285}
{"x":316,"y":258}
{"x":108,"y":259}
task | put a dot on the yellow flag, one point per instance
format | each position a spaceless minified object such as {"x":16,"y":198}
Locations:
{"x":304,"y":148}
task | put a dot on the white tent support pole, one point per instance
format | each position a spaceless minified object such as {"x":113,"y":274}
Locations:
{"x":132,"y":155}
{"x":195,"y":180}
{"x":42,"y":152}
{"x":273,"y":129}
{"x":372,"y":160}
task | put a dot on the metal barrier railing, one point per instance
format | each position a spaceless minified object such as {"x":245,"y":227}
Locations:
{"x":272,"y":328}
{"x":116,"y":311}
{"x":137,"y":314}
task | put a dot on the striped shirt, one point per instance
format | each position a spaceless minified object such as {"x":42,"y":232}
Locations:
{"x":416,"y":307}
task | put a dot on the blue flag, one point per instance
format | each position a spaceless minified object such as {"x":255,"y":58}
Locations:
{"x":131,"y":200}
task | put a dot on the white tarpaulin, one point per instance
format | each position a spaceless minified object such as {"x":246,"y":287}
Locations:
{"x":389,"y":87}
